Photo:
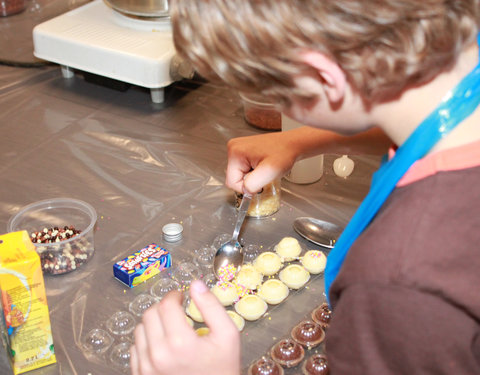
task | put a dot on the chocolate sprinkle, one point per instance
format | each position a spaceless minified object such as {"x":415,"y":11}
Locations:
{"x":57,"y":257}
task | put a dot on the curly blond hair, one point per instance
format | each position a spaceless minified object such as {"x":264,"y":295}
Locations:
{"x":382,"y":45}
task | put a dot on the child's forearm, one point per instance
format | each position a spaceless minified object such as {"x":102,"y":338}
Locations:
{"x":313,"y":141}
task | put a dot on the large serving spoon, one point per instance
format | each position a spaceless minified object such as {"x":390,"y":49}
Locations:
{"x":319,"y":232}
{"x":230,"y":254}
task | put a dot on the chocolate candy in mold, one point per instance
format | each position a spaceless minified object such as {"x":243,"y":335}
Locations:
{"x":308,"y":333}
{"x":9,"y":7}
{"x":265,"y":366}
{"x":316,"y":364}
{"x":121,"y":323}
{"x":322,"y":315}
{"x":141,"y":303}
{"x":120,"y":355}
{"x":97,"y":341}
{"x":287,"y":352}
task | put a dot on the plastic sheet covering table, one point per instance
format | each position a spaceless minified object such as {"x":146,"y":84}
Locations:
{"x":140,"y":165}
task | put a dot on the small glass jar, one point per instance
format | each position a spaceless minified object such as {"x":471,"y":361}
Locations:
{"x":265,"y":203}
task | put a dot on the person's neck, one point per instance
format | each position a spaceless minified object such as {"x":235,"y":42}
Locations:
{"x":400,"y":118}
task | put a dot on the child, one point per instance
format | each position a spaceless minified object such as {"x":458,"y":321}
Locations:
{"x":404,"y":296}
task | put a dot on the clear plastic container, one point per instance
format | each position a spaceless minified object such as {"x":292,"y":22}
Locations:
{"x":121,"y":323}
{"x":69,"y":253}
{"x":97,"y":341}
{"x":265,"y":203}
{"x":9,"y":7}
{"x":141,"y":303}
{"x":261,"y":113}
{"x":120,"y":355}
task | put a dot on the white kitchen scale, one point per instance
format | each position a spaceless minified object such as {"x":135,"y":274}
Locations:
{"x":97,"y":39}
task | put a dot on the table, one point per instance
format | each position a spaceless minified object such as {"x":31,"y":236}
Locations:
{"x":140,"y":165}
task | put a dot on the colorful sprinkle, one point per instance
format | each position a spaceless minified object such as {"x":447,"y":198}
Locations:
{"x":242,"y":290}
{"x":224,"y":285}
{"x":227,"y":273}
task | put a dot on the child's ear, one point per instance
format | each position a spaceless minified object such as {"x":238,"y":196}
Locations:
{"x":331,"y":75}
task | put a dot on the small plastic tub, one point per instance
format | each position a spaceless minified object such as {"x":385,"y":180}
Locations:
{"x":68,"y":216}
{"x":265,"y":203}
{"x":261,"y":113}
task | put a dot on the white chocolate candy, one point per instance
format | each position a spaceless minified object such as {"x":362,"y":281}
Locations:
{"x":249,"y":277}
{"x":268,"y":263}
{"x":314,"y":261}
{"x":343,"y":166}
{"x":273,"y":291}
{"x":194,"y":312}
{"x":294,"y":276}
{"x":251,"y":307}
{"x":202,"y":331}
{"x":226,"y":292}
{"x":288,"y":248}
{"x":237,"y":319}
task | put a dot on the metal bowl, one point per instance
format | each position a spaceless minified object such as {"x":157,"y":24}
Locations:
{"x":141,"y":8}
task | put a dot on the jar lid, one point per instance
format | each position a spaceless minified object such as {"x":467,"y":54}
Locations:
{"x":172,"y":232}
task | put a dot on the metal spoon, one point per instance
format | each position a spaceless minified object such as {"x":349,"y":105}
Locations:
{"x":231,"y":252}
{"x":319,"y":232}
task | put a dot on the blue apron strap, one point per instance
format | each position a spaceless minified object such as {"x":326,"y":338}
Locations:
{"x":457,"y":105}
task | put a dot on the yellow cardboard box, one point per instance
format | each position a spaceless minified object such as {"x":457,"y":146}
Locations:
{"x":24,"y":301}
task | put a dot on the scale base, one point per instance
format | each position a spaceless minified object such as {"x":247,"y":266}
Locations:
{"x":96,"y":39}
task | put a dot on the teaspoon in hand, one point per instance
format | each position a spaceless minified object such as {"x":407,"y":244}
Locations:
{"x":230,"y":254}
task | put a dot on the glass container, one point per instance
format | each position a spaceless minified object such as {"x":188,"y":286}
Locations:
{"x":265,"y":203}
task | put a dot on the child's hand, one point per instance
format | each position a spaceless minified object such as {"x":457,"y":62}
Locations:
{"x":255,"y":161}
{"x":269,"y":155}
{"x":166,"y":344}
